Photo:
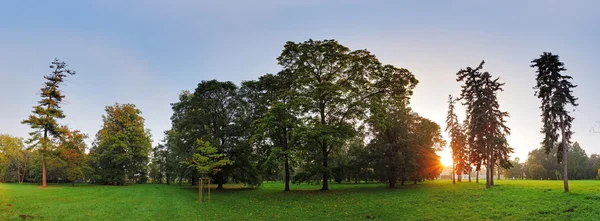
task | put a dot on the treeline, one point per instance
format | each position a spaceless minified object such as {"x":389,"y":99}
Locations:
{"x":330,"y":114}
{"x":540,"y":165}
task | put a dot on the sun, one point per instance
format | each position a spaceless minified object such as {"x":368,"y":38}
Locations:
{"x":445,"y":157}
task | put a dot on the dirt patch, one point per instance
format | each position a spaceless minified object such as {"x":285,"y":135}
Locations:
{"x":23,"y":216}
{"x":8,"y":205}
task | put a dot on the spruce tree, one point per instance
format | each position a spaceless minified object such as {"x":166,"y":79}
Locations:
{"x":555,"y":90}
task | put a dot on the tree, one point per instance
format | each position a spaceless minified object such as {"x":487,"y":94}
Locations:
{"x":486,"y":128}
{"x":278,"y":125}
{"x":578,"y":162}
{"x":45,"y":115}
{"x":206,"y":160}
{"x":332,"y":85}
{"x":122,"y":146}
{"x":555,"y":90}
{"x":458,"y":142}
{"x":72,"y":152}
{"x":14,"y":159}
{"x":537,"y":171}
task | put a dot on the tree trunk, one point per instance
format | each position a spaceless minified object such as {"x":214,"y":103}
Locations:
{"x":488,"y":170}
{"x":391,"y":182}
{"x":194,"y":178}
{"x":492,"y":172}
{"x":403,"y":179}
{"x":287,"y":173}
{"x":325,"y":171}
{"x":565,"y":151}
{"x":168,"y":179}
{"x":18,"y":173}
{"x":73,"y":182}
{"x":469,"y":173}
{"x":220,"y":180}
{"x":44,"y":185}
{"x":498,"y":172}
{"x":453,"y":172}
{"x":415,"y":183}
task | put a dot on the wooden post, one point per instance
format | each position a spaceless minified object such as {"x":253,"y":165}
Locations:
{"x":200,"y":191}
{"x":209,"y":190}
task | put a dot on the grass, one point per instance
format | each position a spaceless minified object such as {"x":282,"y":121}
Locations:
{"x":433,"y":200}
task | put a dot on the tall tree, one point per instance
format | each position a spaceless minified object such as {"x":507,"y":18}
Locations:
{"x":277,"y":126}
{"x":333,"y":85}
{"x":458,"y":141}
{"x":45,"y":115}
{"x":122,"y":146}
{"x":486,"y":129}
{"x":555,"y":90}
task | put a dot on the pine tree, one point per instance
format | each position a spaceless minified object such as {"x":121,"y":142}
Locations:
{"x":486,"y":128}
{"x":556,"y":92}
{"x":458,"y":145}
{"x":47,"y":112}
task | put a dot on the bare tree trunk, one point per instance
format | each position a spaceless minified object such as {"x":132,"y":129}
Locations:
{"x":469,"y":173}
{"x":565,"y":151}
{"x":44,"y":185}
{"x":488,"y":172}
{"x":18,"y":173}
{"x":477,"y":177}
{"x":453,"y":172}
{"x":498,"y":172}
{"x":325,"y":173}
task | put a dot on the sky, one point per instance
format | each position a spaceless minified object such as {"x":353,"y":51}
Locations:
{"x":146,"y":52}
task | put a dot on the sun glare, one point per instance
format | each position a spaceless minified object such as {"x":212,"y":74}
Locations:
{"x":446,"y":157}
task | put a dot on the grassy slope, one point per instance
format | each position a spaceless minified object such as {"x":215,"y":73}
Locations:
{"x":435,"y":200}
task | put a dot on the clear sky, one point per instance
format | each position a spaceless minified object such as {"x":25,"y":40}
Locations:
{"x":146,"y":52}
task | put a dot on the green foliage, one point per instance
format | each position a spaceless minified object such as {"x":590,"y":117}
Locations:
{"x":486,"y":125}
{"x":555,"y":90}
{"x":72,"y":152}
{"x":206,"y":160}
{"x":43,"y":119}
{"x":14,"y":159}
{"x":332,"y":85}
{"x":458,"y":141}
{"x":122,"y":146}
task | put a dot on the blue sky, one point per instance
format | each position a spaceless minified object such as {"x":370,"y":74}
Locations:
{"x":146,"y":52}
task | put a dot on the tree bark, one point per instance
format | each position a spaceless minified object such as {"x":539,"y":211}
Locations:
{"x":287,"y":160}
{"x":498,"y":172}
{"x":325,"y":166}
{"x":44,"y":185}
{"x":220,"y":180}
{"x":488,"y":170}
{"x":477,"y":177}
{"x":565,"y":151}
{"x":287,"y":173}
{"x":469,"y":173}
{"x":453,"y":172}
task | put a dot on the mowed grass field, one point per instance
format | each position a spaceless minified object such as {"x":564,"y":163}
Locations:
{"x":432,"y":200}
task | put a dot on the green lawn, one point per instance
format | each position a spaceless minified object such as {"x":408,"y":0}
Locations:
{"x":433,"y":200}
